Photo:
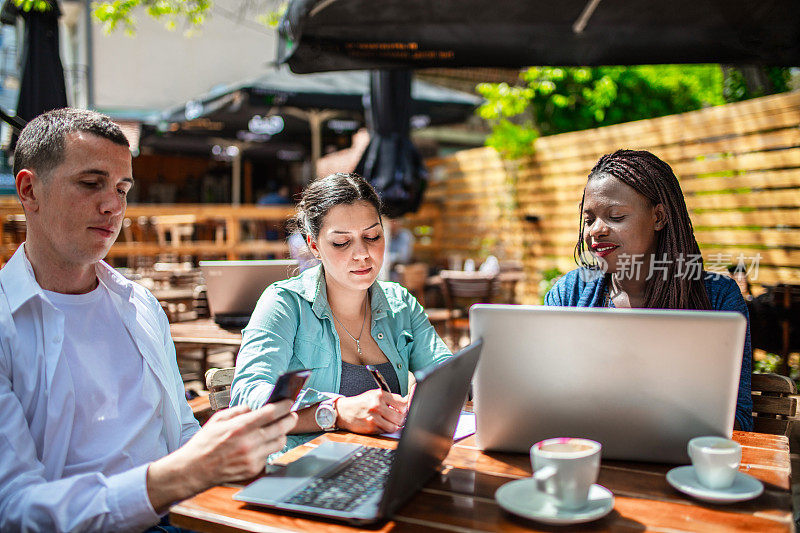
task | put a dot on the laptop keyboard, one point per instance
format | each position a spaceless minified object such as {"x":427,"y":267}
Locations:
{"x":346,"y":488}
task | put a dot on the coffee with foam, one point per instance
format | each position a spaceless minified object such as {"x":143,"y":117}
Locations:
{"x":566,"y":468}
{"x":566,"y":447}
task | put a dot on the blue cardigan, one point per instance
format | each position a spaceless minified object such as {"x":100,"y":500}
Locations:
{"x":585,"y":288}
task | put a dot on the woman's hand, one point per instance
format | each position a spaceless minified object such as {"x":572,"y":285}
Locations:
{"x":374,"y":411}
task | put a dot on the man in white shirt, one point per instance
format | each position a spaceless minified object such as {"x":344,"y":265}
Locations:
{"x":96,"y":433}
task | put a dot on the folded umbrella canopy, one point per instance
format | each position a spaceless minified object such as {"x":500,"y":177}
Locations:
{"x":324,"y":35}
{"x":391,"y":163}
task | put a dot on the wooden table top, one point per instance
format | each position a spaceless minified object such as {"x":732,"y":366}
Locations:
{"x":512,"y":276}
{"x":172,"y":294}
{"x":204,"y":331}
{"x":461,"y":498}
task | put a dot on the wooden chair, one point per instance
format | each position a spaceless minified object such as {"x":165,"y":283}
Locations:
{"x":200,"y":302}
{"x":774,"y":319}
{"x":201,"y":409}
{"x":413,"y":277}
{"x":461,"y":290}
{"x":773,"y":404}
{"x":218,"y":383}
{"x":179,"y":227}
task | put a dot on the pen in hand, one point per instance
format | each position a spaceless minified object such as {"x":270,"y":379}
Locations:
{"x":380,"y":381}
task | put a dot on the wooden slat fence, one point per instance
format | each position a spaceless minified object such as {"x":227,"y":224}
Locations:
{"x":738,"y":164}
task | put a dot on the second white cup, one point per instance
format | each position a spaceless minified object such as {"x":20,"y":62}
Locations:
{"x":566,"y":468}
{"x":715,"y":460}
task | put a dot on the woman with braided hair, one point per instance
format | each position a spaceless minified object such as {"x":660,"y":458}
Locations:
{"x":642,"y":252}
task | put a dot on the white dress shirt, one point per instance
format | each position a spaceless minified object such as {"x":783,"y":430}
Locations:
{"x":42,"y":402}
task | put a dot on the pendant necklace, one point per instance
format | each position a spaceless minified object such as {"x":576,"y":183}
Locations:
{"x":358,"y":339}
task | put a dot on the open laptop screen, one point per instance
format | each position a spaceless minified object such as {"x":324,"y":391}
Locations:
{"x":640,"y":381}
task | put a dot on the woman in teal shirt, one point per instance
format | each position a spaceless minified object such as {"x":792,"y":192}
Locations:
{"x":335,"y":318}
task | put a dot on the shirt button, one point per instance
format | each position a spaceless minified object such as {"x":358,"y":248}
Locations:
{"x":380,"y":335}
{"x":399,"y":365}
{"x":56,"y":339}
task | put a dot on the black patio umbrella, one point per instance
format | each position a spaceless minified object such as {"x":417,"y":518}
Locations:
{"x":234,"y":105}
{"x":320,"y":35}
{"x":278,"y":110}
{"x":42,"y":86}
{"x":391,"y":163}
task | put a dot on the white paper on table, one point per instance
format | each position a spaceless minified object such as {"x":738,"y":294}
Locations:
{"x":466,"y":427}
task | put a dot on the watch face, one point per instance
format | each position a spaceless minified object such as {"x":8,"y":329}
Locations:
{"x":325,"y":416}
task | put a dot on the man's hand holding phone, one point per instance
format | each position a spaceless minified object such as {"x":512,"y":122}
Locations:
{"x":289,"y":385}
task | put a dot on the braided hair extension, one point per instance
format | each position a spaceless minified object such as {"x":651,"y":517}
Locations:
{"x":654,"y":179}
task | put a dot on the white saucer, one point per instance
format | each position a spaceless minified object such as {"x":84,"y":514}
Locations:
{"x":744,"y":487}
{"x":521,"y":498}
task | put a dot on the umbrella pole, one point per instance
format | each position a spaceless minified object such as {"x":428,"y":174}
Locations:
{"x":315,"y":119}
{"x":315,"y":124}
{"x":15,"y":122}
{"x":236,"y":178}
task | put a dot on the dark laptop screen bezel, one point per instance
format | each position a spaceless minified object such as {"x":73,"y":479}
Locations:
{"x":428,"y":436}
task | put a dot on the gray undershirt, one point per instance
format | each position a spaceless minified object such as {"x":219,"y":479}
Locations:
{"x":356,"y":379}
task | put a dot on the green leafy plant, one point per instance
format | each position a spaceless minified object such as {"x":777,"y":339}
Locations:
{"x":115,"y":14}
{"x":554,"y":100}
{"x":42,"y":6}
{"x":770,"y":362}
{"x":767,"y":365}
{"x":551,"y":100}
{"x":549,"y":278}
{"x":737,"y":86}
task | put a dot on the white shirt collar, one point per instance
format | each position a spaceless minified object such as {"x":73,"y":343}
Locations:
{"x":19,"y":282}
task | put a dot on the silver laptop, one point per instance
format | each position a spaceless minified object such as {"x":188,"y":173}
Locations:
{"x":361,"y":484}
{"x":233,"y":287}
{"x":640,"y":382}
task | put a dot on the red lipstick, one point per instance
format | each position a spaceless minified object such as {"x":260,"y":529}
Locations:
{"x":602,"y":249}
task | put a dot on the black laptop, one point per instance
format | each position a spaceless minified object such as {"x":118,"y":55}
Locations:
{"x":363,"y":484}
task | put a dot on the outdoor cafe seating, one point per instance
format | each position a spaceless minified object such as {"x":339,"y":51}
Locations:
{"x":463,"y":495}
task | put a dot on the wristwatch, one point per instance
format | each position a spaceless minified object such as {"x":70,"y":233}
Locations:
{"x":326,"y":415}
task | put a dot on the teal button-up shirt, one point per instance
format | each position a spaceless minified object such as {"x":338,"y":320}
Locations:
{"x":292,"y":328}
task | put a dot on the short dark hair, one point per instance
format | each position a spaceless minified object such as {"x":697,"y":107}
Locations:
{"x":324,"y":194}
{"x":654,"y":179}
{"x":42,"y":142}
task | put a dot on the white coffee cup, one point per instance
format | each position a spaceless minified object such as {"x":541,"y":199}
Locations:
{"x":715,"y":460}
{"x":566,"y":468}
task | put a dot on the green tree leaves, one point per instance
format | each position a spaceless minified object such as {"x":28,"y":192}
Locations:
{"x":560,"y":99}
{"x":120,"y":13}
{"x":190,"y":14}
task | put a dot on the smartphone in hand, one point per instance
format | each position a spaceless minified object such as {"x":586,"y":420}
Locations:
{"x":289,"y":385}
